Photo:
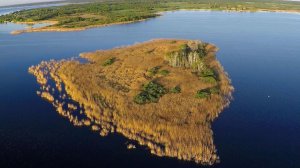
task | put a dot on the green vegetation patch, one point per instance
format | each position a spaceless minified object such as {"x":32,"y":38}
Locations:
{"x":153,"y":71}
{"x":175,"y":89}
{"x":184,"y":48}
{"x":209,"y":79}
{"x":164,"y":72}
{"x":109,"y":61}
{"x":208,"y":75}
{"x":156,"y":70}
{"x":205,"y":93}
{"x":151,"y":92}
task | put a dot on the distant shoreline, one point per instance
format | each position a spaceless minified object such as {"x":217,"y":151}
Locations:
{"x":82,"y":16}
{"x":58,"y":29}
{"x":54,"y":29}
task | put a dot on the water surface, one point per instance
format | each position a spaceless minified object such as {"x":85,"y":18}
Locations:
{"x":10,"y":9}
{"x":260,"y":51}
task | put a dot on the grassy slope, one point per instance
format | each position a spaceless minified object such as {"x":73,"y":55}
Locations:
{"x":108,"y":12}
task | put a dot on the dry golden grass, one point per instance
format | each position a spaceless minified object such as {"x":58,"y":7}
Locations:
{"x":179,"y":125}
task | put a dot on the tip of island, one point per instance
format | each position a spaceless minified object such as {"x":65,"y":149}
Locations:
{"x":162,"y":94}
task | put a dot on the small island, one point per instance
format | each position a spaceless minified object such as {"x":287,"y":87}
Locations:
{"x":162,"y":94}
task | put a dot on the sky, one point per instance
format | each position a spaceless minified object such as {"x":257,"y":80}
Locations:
{"x":14,"y":2}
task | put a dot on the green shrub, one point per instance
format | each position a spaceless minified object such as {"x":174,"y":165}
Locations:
{"x":141,"y":98}
{"x":204,"y":93}
{"x":175,"y":89}
{"x":208,"y":75}
{"x":207,"y":72}
{"x":153,"y":71}
{"x":150,"y":93}
{"x":201,"y":50}
{"x":184,"y":48}
{"x":109,"y":62}
{"x":209,"y":79}
{"x":154,"y":89}
{"x":164,"y":72}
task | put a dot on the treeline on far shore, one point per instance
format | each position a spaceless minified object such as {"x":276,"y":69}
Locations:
{"x":113,"y":11}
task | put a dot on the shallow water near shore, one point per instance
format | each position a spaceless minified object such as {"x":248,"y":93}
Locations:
{"x":260,"y":51}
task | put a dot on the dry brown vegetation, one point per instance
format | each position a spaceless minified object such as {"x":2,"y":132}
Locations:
{"x":178,"y":125}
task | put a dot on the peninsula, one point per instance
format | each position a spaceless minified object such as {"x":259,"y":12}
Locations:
{"x":76,"y":17}
{"x":162,"y":94}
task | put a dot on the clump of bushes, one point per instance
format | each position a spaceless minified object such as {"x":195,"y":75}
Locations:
{"x":109,"y":62}
{"x":151,"y":92}
{"x":208,"y":75}
{"x":207,"y":72}
{"x":184,"y":48}
{"x":164,"y":72}
{"x":209,"y":79}
{"x":205,"y":93}
{"x":155,"y":70}
{"x":175,"y":89}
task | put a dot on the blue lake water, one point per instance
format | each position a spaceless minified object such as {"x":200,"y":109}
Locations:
{"x":260,"y":129}
{"x":10,"y":9}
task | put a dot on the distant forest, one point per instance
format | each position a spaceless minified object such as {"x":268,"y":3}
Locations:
{"x":101,"y":12}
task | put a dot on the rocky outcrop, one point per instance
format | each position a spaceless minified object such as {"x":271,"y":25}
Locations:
{"x":189,"y":55}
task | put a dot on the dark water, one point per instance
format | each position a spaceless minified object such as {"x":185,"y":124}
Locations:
{"x":260,"y":129}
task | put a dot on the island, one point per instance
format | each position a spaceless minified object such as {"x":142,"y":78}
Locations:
{"x":162,"y":94}
{"x":77,"y":17}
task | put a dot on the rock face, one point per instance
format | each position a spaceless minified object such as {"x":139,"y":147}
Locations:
{"x":172,"y":122}
{"x":189,"y":55}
